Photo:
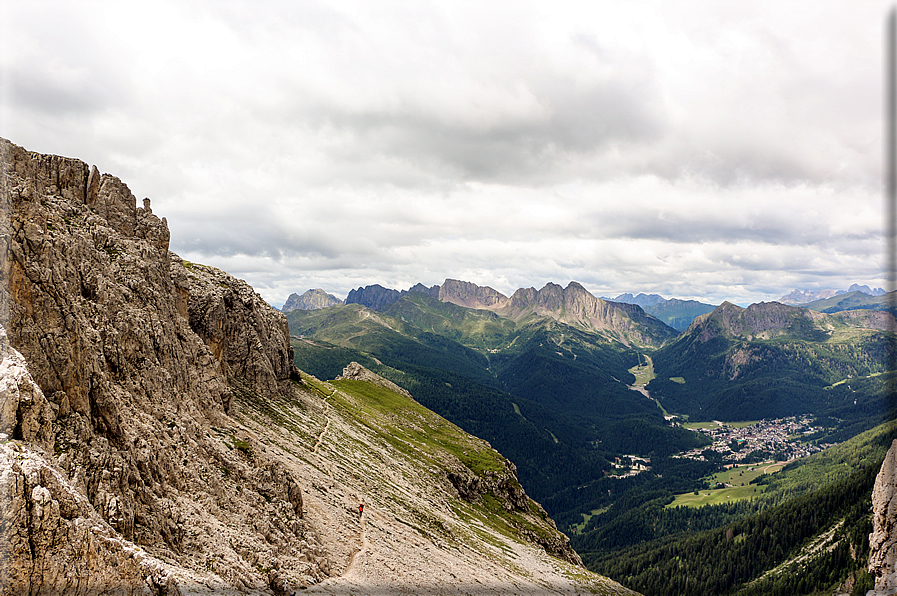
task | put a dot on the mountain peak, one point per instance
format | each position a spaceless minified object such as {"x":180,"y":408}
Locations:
{"x":574,"y":305}
{"x":642,"y":299}
{"x":310,"y":300}
{"x":470,"y":295}
{"x":763,"y":320}
{"x":373,"y":296}
{"x":807,"y":296}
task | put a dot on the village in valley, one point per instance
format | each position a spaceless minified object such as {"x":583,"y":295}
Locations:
{"x":750,"y":442}
{"x":739,"y":443}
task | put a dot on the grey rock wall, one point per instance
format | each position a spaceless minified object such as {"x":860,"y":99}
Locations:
{"x":883,"y":540}
{"x":135,"y":359}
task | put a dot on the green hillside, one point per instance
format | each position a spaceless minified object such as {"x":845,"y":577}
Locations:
{"x":678,"y":314}
{"x":773,"y":360}
{"x":769,"y":544}
{"x":478,"y":329}
{"x":550,"y":451}
{"x":556,"y":400}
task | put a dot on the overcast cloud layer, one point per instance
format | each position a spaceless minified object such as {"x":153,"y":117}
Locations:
{"x":695,"y":149}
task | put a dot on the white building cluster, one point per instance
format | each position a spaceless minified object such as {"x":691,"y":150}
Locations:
{"x":779,"y":437}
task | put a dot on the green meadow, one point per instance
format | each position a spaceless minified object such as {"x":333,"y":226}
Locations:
{"x":739,"y":477}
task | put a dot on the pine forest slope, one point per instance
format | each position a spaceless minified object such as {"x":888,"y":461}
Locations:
{"x":806,"y":533}
{"x":771,"y":360}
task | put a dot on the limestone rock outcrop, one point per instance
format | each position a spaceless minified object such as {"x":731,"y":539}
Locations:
{"x":357,"y":372}
{"x":504,"y":487}
{"x":246,"y":336}
{"x":573,"y":305}
{"x":470,"y":295}
{"x":883,"y":539}
{"x":24,"y":411}
{"x":576,"y":306}
{"x":137,"y":359}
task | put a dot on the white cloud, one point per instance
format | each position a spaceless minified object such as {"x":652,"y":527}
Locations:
{"x":694,"y":149}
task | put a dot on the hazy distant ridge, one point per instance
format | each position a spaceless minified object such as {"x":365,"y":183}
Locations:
{"x":807,"y":296}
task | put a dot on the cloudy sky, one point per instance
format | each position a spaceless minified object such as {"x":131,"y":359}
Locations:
{"x":695,"y":149}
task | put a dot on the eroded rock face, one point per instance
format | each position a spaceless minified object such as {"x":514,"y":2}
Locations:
{"x":883,"y":540}
{"x":52,"y":541}
{"x":504,"y":487}
{"x":245,"y":335}
{"x":464,"y":293}
{"x":135,"y":359}
{"x":374,"y":296}
{"x":24,"y":411}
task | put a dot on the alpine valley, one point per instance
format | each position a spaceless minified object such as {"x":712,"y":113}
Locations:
{"x":600,"y":404}
{"x":165,"y":431}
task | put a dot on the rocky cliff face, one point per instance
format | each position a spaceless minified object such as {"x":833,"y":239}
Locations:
{"x":576,"y":306}
{"x":573,"y":305}
{"x":376,"y":296}
{"x":419,"y":288}
{"x":138,"y":358}
{"x":156,"y":438}
{"x":245,"y":335}
{"x":310,"y":300}
{"x":883,"y":540}
{"x":470,"y":295}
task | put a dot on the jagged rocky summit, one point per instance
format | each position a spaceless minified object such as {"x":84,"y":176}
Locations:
{"x":157,"y":439}
{"x":573,"y":305}
{"x":310,"y":300}
{"x":767,"y":320}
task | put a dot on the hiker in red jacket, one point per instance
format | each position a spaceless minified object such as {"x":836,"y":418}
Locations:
{"x":360,"y":509}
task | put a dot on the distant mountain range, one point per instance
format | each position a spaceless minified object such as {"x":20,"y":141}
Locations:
{"x":573,"y":305}
{"x":803,"y":297}
{"x":676,"y":313}
{"x":772,"y":359}
{"x":854,"y":301}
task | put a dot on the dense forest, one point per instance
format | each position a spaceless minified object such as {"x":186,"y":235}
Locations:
{"x":728,"y":558}
{"x":631,"y":538}
{"x":728,"y":379}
